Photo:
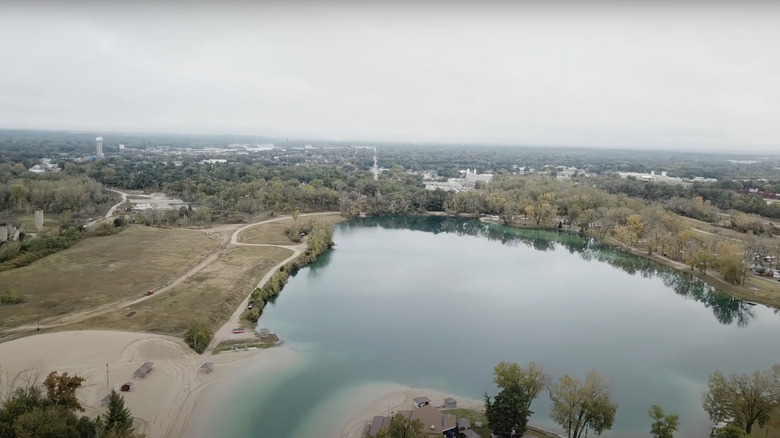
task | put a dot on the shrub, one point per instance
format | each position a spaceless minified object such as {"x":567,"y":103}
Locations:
{"x":10,"y":298}
{"x":198,"y":336}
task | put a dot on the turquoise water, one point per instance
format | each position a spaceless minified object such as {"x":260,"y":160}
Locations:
{"x":437,"y":302}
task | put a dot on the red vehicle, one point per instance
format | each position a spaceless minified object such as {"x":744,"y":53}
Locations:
{"x":151,"y":292}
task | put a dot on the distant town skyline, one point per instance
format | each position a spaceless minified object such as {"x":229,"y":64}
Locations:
{"x":657,"y":75}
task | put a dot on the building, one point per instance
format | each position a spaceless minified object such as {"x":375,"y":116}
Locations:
{"x":450,"y":403}
{"x":9,"y":232}
{"x":468,"y":182}
{"x":39,"y":220}
{"x":99,"y":147}
{"x":144,"y":370}
{"x":421,"y":401}
{"x":435,"y":423}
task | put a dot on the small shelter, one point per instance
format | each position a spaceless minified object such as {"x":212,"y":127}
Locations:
{"x":143,"y":370}
{"x":106,"y":400}
{"x":450,"y":403}
{"x":464,"y":424}
{"x":126,"y":387}
{"x":421,"y":401}
{"x":206,"y":367}
{"x":263,"y":332}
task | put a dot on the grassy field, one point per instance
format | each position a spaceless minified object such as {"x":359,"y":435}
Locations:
{"x":211,"y":295}
{"x":273,"y":232}
{"x":100,"y":270}
{"x":483,"y":431}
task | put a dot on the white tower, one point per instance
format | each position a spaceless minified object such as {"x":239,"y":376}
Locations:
{"x":99,"y":147}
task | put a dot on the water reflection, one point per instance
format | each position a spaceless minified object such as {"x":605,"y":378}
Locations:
{"x":727,"y":309}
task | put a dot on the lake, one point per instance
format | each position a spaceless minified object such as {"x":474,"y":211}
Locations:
{"x":438,"y":302}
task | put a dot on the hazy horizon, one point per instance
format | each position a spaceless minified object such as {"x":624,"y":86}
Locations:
{"x":599,"y":75}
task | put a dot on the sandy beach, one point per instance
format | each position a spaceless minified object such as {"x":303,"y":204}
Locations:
{"x":162,"y":403}
{"x":386,"y":398}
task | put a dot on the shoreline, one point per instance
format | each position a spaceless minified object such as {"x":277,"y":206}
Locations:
{"x":392,"y":398}
{"x":735,"y":291}
{"x":162,"y":403}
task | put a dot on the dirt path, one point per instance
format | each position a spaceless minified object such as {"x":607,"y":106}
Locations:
{"x":113,"y":208}
{"x":226,"y":331}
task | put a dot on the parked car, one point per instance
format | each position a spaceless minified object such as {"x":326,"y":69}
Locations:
{"x":151,"y":292}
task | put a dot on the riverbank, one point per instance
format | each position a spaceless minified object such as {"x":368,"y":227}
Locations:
{"x":162,"y":403}
{"x":756,"y":289}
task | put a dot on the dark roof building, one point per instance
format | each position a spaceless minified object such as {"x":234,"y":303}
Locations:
{"x":434,"y":422}
{"x":421,"y":401}
{"x":143,"y":370}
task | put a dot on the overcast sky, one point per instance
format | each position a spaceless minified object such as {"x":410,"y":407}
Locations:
{"x":631,"y":74}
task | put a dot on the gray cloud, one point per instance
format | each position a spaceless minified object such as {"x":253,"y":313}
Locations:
{"x":599,"y":74}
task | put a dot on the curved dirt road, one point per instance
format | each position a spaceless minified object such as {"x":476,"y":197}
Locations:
{"x":226,"y":331}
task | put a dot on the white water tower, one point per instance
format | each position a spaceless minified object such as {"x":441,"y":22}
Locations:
{"x":99,"y":147}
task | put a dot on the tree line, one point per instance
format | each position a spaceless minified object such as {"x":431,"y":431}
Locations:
{"x":581,"y":406}
{"x":735,"y":404}
{"x":51,"y":410}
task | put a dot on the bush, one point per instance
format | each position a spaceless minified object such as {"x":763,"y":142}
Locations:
{"x":10,"y":298}
{"x":198,"y":336}
{"x":252,"y":314}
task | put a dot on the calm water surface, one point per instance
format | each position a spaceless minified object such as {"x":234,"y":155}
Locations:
{"x":437,"y":302}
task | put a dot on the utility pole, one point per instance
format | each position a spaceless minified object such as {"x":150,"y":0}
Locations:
{"x":107,"y":385}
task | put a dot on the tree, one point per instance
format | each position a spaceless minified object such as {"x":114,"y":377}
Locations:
{"x":46,"y":422}
{"x":742,"y":398}
{"x":663,"y":425}
{"x":731,"y":262}
{"x":401,"y":427}
{"x":508,"y":413}
{"x":117,"y":419}
{"x":531,"y":380}
{"x":578,"y":406}
{"x":198,"y":336}
{"x":510,"y":409}
{"x":61,"y":390}
{"x":730,"y":431}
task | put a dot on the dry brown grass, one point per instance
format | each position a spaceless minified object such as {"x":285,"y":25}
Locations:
{"x":273,"y":232}
{"x":211,"y":295}
{"x":101,"y":270}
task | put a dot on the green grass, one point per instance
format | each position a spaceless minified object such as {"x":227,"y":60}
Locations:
{"x":273,"y":232}
{"x":210,"y":296}
{"x":100,"y":270}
